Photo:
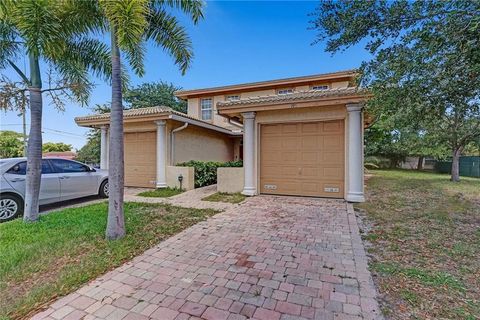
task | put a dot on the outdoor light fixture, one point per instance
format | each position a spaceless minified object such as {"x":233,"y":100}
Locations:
{"x":180,"y":179}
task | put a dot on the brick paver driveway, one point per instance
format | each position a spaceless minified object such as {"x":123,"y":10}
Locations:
{"x":270,"y":258}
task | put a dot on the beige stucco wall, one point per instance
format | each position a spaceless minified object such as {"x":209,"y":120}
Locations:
{"x":195,"y":143}
{"x":188,"y":182}
{"x":194,"y":103}
{"x":230,"y":180}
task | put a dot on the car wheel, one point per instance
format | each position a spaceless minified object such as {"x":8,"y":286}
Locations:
{"x":11,"y":207}
{"x":104,"y":191}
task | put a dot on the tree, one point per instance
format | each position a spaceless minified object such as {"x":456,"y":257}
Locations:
{"x":11,"y":145}
{"x":56,"y":147}
{"x":51,"y":33}
{"x":90,"y":152}
{"x":131,"y":24}
{"x":425,"y":68}
{"x":154,"y":94}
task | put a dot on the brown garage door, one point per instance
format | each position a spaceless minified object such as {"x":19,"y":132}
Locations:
{"x":140,"y":159}
{"x":305,"y":159}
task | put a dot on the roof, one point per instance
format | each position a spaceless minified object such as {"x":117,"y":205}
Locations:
{"x":295,"y":96}
{"x":103,"y":118}
{"x":269,"y":83}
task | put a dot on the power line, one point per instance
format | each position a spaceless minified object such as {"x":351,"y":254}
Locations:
{"x":54,"y":130}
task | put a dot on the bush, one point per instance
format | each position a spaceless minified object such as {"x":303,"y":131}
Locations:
{"x":206,"y":171}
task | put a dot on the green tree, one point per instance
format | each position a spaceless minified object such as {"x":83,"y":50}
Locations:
{"x":132,"y":24}
{"x":90,"y":152}
{"x":152,"y":94}
{"x":56,"y":147}
{"x":11,"y":144}
{"x":52,"y":33}
{"x":425,"y":69}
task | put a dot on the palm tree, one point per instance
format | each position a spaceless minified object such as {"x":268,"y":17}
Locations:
{"x":133,"y":23}
{"x":49,"y":32}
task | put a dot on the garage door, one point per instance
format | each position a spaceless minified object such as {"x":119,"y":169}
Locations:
{"x":140,"y":159}
{"x":306,"y":159}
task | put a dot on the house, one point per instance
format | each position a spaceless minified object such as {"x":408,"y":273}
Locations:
{"x":297,"y":136}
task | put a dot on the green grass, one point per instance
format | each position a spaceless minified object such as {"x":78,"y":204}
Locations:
{"x":225,"y":197}
{"x":425,"y":243}
{"x":161,"y":193}
{"x":65,"y":249}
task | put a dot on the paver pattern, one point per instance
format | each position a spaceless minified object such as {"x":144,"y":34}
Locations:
{"x":269,"y":258}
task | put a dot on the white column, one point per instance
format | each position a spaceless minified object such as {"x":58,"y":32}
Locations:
{"x":103,"y":148}
{"x":161,"y":154}
{"x":249,"y":153}
{"x":355,"y":153}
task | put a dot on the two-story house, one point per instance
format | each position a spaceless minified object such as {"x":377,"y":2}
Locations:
{"x":297,"y":136}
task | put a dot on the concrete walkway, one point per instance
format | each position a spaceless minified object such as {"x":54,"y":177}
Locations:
{"x":269,"y":258}
{"x":188,"y":199}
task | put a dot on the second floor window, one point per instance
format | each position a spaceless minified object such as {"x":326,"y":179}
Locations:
{"x":206,"y":106}
{"x":285,"y":91}
{"x":232,"y":98}
{"x":320,"y":87}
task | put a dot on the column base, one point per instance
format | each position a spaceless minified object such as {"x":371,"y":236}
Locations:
{"x":249,"y":191}
{"x":161,"y":185}
{"x":355,"y":197}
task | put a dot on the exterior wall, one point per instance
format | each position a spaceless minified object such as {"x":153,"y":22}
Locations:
{"x":188,"y":182}
{"x":195,"y":143}
{"x":230,"y":180}
{"x":194,"y":103}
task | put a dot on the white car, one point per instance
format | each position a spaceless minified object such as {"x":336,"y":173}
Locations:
{"x":61,"y":180}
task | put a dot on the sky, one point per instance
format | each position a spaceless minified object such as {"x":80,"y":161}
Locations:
{"x":237,"y":42}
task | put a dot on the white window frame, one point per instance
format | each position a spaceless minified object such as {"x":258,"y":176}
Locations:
{"x":204,"y":109}
{"x":232,"y":97}
{"x":284,"y":91}
{"x":320,"y":87}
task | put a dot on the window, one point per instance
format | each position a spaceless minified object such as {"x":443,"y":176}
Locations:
{"x":21,"y":168}
{"x":232,"y":98}
{"x":320,"y":87}
{"x":67,"y":166}
{"x":284,"y":91}
{"x":206,"y":108}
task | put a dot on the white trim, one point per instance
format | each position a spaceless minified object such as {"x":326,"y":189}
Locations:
{"x":203,"y":124}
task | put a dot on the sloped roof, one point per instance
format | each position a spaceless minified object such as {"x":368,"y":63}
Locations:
{"x":131,"y":113}
{"x":295,"y":96}
{"x":269,"y":83}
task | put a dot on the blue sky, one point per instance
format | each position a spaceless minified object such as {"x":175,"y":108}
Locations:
{"x":236,"y":42}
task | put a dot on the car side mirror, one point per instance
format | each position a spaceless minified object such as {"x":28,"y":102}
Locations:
{"x":90,"y":169}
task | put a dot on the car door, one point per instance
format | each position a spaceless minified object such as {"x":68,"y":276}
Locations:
{"x":76,"y":179}
{"x":49,"y":183}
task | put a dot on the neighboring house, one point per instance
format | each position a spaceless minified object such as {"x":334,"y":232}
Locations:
{"x":68,"y":155}
{"x":299,"y":136}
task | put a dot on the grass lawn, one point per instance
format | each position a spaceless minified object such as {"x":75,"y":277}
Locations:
{"x":225,"y":197}
{"x":44,"y":260}
{"x":161,"y":193}
{"x":424,"y":244}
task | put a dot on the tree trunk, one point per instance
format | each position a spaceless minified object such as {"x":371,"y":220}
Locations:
{"x":116,"y":220}
{"x":34,"y":150}
{"x":455,"y":177}
{"x":420,"y":163}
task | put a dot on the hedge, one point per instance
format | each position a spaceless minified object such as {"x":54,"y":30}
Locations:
{"x":206,"y":171}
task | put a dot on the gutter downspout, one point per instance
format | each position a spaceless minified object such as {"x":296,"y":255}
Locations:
{"x":172,"y":142}
{"x":234,"y":123}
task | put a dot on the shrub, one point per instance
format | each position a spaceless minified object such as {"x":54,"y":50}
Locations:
{"x":206,"y":171}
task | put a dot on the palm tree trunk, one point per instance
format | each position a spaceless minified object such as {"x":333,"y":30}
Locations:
{"x":34,"y":151}
{"x":455,"y":177}
{"x":116,"y":221}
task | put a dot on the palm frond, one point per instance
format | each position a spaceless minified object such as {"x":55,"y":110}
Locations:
{"x":129,"y":20}
{"x":194,"y":8}
{"x":165,"y":30}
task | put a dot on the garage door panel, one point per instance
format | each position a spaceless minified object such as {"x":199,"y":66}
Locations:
{"x":140,"y":159}
{"x":309,"y":160}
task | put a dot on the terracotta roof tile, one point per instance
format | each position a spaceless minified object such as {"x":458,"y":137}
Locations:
{"x":295,"y":96}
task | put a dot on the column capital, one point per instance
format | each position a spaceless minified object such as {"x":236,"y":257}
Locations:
{"x":160,"y":123}
{"x":354,"y":107}
{"x":249,"y":115}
